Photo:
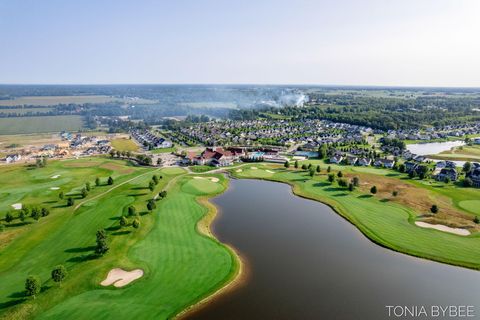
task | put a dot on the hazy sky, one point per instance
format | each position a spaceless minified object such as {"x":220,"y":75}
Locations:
{"x":384,"y":42}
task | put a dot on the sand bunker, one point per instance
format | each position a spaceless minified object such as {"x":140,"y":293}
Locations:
{"x":119,"y":277}
{"x":441,"y":227}
{"x":254,"y":168}
{"x":54,"y":188}
{"x":17,"y":206}
{"x":238,"y":170}
{"x":270,"y":171}
{"x":213,"y":179}
{"x":55,"y":176}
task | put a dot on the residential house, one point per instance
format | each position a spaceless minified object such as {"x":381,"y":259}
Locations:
{"x":449,"y":173}
{"x":364,"y":162}
{"x":336,"y":159}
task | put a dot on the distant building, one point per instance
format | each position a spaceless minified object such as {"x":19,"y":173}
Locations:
{"x":13,"y":158}
{"x":336,"y":159}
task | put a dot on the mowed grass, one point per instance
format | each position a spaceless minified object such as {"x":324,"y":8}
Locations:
{"x":124,"y":144}
{"x":387,"y":223}
{"x":21,"y":125}
{"x":463,"y":153}
{"x":181,"y":265}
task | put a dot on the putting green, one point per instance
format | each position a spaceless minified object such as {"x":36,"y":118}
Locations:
{"x":201,"y":186}
{"x":470,"y":205}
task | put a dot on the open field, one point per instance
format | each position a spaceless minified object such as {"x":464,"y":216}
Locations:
{"x":164,"y":150}
{"x":385,"y":219}
{"x":55,"y":100}
{"x":25,"y":110}
{"x":124,"y":144}
{"x":21,"y":125}
{"x":181,"y":265}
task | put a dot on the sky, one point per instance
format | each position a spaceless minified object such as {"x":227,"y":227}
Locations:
{"x":337,"y":42}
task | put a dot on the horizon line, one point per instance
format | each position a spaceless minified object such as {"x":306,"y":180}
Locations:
{"x":246,"y":84}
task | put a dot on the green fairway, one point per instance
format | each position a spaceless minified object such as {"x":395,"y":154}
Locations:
{"x":383,"y":221}
{"x":181,"y":265}
{"x":471,"y":205}
{"x":20,"y":125}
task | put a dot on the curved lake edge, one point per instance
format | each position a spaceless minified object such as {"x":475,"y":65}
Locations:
{"x":240,"y":275}
{"x":369,"y":234}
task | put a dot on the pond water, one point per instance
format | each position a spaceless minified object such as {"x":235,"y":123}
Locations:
{"x":433,"y":147}
{"x":306,"y":262}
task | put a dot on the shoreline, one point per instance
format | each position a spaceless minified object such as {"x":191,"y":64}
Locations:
{"x":369,"y":234}
{"x":236,"y":279}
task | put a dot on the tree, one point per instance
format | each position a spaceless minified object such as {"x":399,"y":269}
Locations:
{"x":9,"y":217}
{"x":155,"y":179}
{"x":394,"y":193}
{"x":311,"y":172}
{"x":87,"y":186}
{"x":351,"y":187}
{"x":44,"y":161}
{"x":339,"y":174}
{"x":434,"y":209}
{"x":102,"y":246}
{"x":84,"y":193}
{"x":446,"y":180}
{"x":331,"y":178}
{"x":476,"y":220}
{"x":373,"y":189}
{"x":22,"y":216}
{"x":322,"y":151}
{"x":467,"y":166}
{"x":38,"y":163}
{"x":329,"y":169}
{"x":97,"y":181}
{"x":401,"y":168}
{"x":123,"y":221}
{"x":61,"y":195}
{"x":132,"y":211}
{"x":342,"y":183}
{"x":136,"y":223}
{"x":110,"y":181}
{"x":112,"y":153}
{"x":162,"y":194}
{"x":151,"y":205}
{"x":356,"y":181}
{"x":286,"y":164}
{"x":304,"y":166}
{"x":296,"y":164}
{"x":35,"y":214}
{"x":151,"y":185}
{"x":412,"y":174}
{"x":318,"y":169}
{"x":59,"y":273}
{"x":70,"y":201}
{"x":44,"y":212}
{"x":32,"y":286}
{"x":467,"y":182}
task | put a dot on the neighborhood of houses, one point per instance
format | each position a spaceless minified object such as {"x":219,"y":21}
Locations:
{"x":69,"y":145}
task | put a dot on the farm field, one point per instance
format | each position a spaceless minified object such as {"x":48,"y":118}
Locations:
{"x":22,"y":125}
{"x":124,"y":144}
{"x":182,"y":263}
{"x":24,"y":110}
{"x":55,"y":100}
{"x":387,"y":220}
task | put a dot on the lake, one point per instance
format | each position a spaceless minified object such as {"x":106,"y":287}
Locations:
{"x":433,"y":147}
{"x":306,"y":262}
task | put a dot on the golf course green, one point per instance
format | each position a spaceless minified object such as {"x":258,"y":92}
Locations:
{"x":181,"y":265}
{"x":180,"y":262}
